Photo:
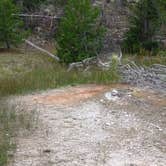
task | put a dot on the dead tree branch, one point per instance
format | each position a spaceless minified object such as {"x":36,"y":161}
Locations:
{"x":42,"y":50}
{"x":36,"y":16}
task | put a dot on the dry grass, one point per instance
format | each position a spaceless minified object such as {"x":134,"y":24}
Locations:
{"x":27,"y":73}
{"x":12,"y":121}
{"x":21,"y":63}
{"x":146,"y":60}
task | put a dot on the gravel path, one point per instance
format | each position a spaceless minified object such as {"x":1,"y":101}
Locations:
{"x":80,"y":126}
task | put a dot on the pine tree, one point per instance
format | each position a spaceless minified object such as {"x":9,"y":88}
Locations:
{"x":162,"y":8}
{"x":80,"y":33}
{"x":144,"y":23}
{"x":10,"y":33}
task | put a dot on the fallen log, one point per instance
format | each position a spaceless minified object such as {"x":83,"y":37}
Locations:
{"x":42,"y":50}
{"x":36,"y":16}
{"x":82,"y":64}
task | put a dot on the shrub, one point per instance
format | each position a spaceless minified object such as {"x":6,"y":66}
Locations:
{"x":80,"y":32}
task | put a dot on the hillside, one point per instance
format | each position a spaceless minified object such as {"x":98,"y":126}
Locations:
{"x":115,"y":16}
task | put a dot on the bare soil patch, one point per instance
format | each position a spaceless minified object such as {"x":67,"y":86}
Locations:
{"x":79,"y":126}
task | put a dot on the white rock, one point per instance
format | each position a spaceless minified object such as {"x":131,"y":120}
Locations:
{"x":114,"y":92}
{"x":111,"y":97}
{"x":102,"y":100}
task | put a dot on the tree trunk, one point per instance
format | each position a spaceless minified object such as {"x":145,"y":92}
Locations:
{"x":7,"y":44}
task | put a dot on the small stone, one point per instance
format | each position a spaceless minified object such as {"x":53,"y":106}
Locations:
{"x":10,"y":154}
{"x":129,"y":95}
{"x":46,"y":151}
{"x":107,"y":124}
{"x":102,"y":100}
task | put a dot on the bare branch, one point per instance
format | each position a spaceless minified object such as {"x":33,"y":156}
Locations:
{"x":42,"y":50}
{"x":36,"y":16}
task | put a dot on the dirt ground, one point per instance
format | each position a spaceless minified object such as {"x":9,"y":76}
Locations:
{"x":81,"y":126}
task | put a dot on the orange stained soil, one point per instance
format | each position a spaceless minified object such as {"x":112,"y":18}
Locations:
{"x":73,"y":95}
{"x":70,"y":96}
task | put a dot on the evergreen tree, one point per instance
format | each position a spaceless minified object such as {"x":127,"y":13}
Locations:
{"x":162,"y":8}
{"x":144,"y":23}
{"x":80,"y":33}
{"x":10,"y":33}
